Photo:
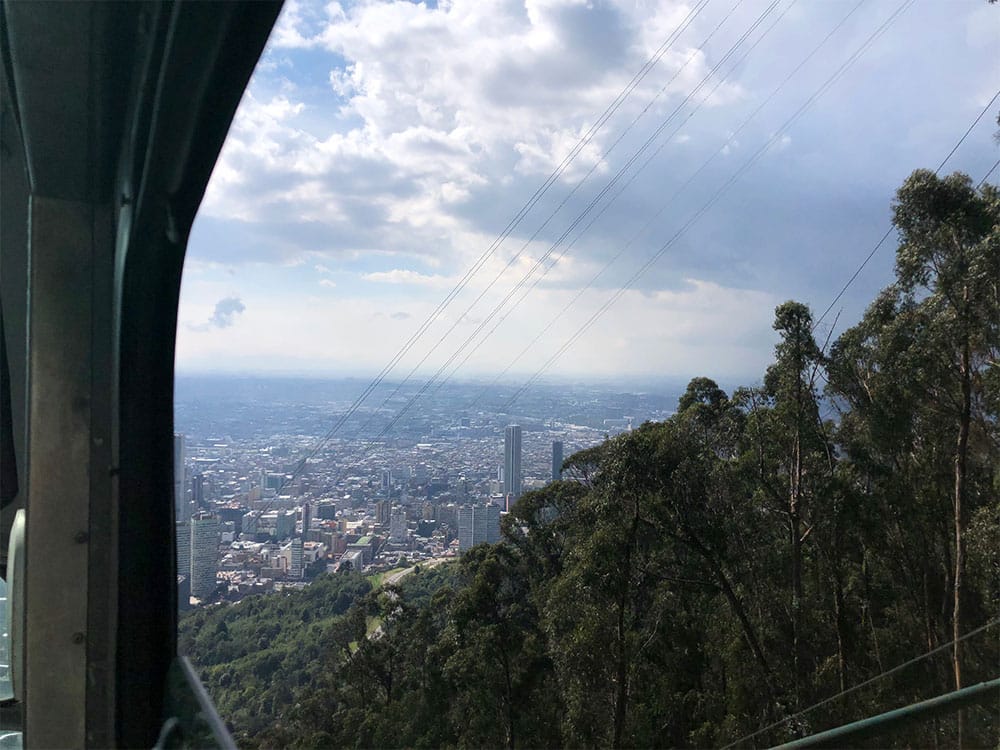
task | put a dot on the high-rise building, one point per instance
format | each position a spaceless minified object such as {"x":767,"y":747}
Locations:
{"x":204,"y":553}
{"x":284,"y":524}
{"x":397,"y":525}
{"x":383,"y":510}
{"x":306,"y":518}
{"x":198,"y":491}
{"x":386,"y":480}
{"x":295,"y":547}
{"x":478,"y":524}
{"x":512,"y":461}
{"x":466,"y":524}
{"x":492,"y":523}
{"x":557,"y":460}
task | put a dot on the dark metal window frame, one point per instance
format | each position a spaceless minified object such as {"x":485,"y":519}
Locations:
{"x":149,"y":92}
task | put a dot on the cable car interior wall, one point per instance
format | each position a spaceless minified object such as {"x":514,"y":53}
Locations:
{"x":112,"y":116}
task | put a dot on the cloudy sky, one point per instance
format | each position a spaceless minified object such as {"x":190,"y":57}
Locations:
{"x":383,"y":147}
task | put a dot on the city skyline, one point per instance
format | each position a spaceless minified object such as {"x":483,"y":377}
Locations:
{"x":251,"y":517}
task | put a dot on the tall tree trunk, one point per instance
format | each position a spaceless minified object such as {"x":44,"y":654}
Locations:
{"x":621,"y":676}
{"x":961,"y":459}
{"x":795,"y":532}
{"x":840,"y":620}
{"x":735,"y":604}
{"x":508,"y":698}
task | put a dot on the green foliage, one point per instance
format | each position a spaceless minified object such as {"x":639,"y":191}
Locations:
{"x":694,"y":580}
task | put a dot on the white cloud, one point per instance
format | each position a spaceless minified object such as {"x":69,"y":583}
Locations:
{"x":430,"y":108}
{"x":387,"y":143}
{"x":410,"y":278}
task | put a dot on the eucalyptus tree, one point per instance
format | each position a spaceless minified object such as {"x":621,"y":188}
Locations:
{"x":949,"y":262}
{"x":919,"y":374}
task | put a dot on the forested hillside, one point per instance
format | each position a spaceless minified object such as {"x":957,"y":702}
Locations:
{"x":699,"y":579}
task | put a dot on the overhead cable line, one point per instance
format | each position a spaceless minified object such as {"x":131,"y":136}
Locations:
{"x":830,"y":81}
{"x":652,"y":220}
{"x":827,"y":84}
{"x":649,"y":141}
{"x":565,"y":200}
{"x":965,"y":135}
{"x":987,"y":175}
{"x":854,"y":688}
{"x":888,"y":231}
{"x":585,"y":140}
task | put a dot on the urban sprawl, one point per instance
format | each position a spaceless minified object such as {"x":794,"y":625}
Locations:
{"x":276,"y":482}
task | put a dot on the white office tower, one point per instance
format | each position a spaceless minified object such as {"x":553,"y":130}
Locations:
{"x":204,"y":553}
{"x":466,"y":519}
{"x":478,"y":524}
{"x":296,"y":558}
{"x":397,"y":525}
{"x":512,"y":461}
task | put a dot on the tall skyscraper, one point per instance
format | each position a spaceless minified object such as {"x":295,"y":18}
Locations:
{"x":557,"y":460}
{"x":512,"y":461}
{"x":204,"y":553}
{"x":492,"y":523}
{"x":306,"y":518}
{"x":397,"y":525}
{"x":466,"y":524}
{"x":296,"y":560}
{"x":198,"y":491}
{"x":478,"y":524}
{"x":284,"y":524}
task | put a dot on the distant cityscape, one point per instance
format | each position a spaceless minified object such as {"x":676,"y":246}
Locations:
{"x":277,"y":480}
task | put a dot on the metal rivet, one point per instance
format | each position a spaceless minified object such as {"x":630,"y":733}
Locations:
{"x":80,"y":537}
{"x":77,"y":637}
